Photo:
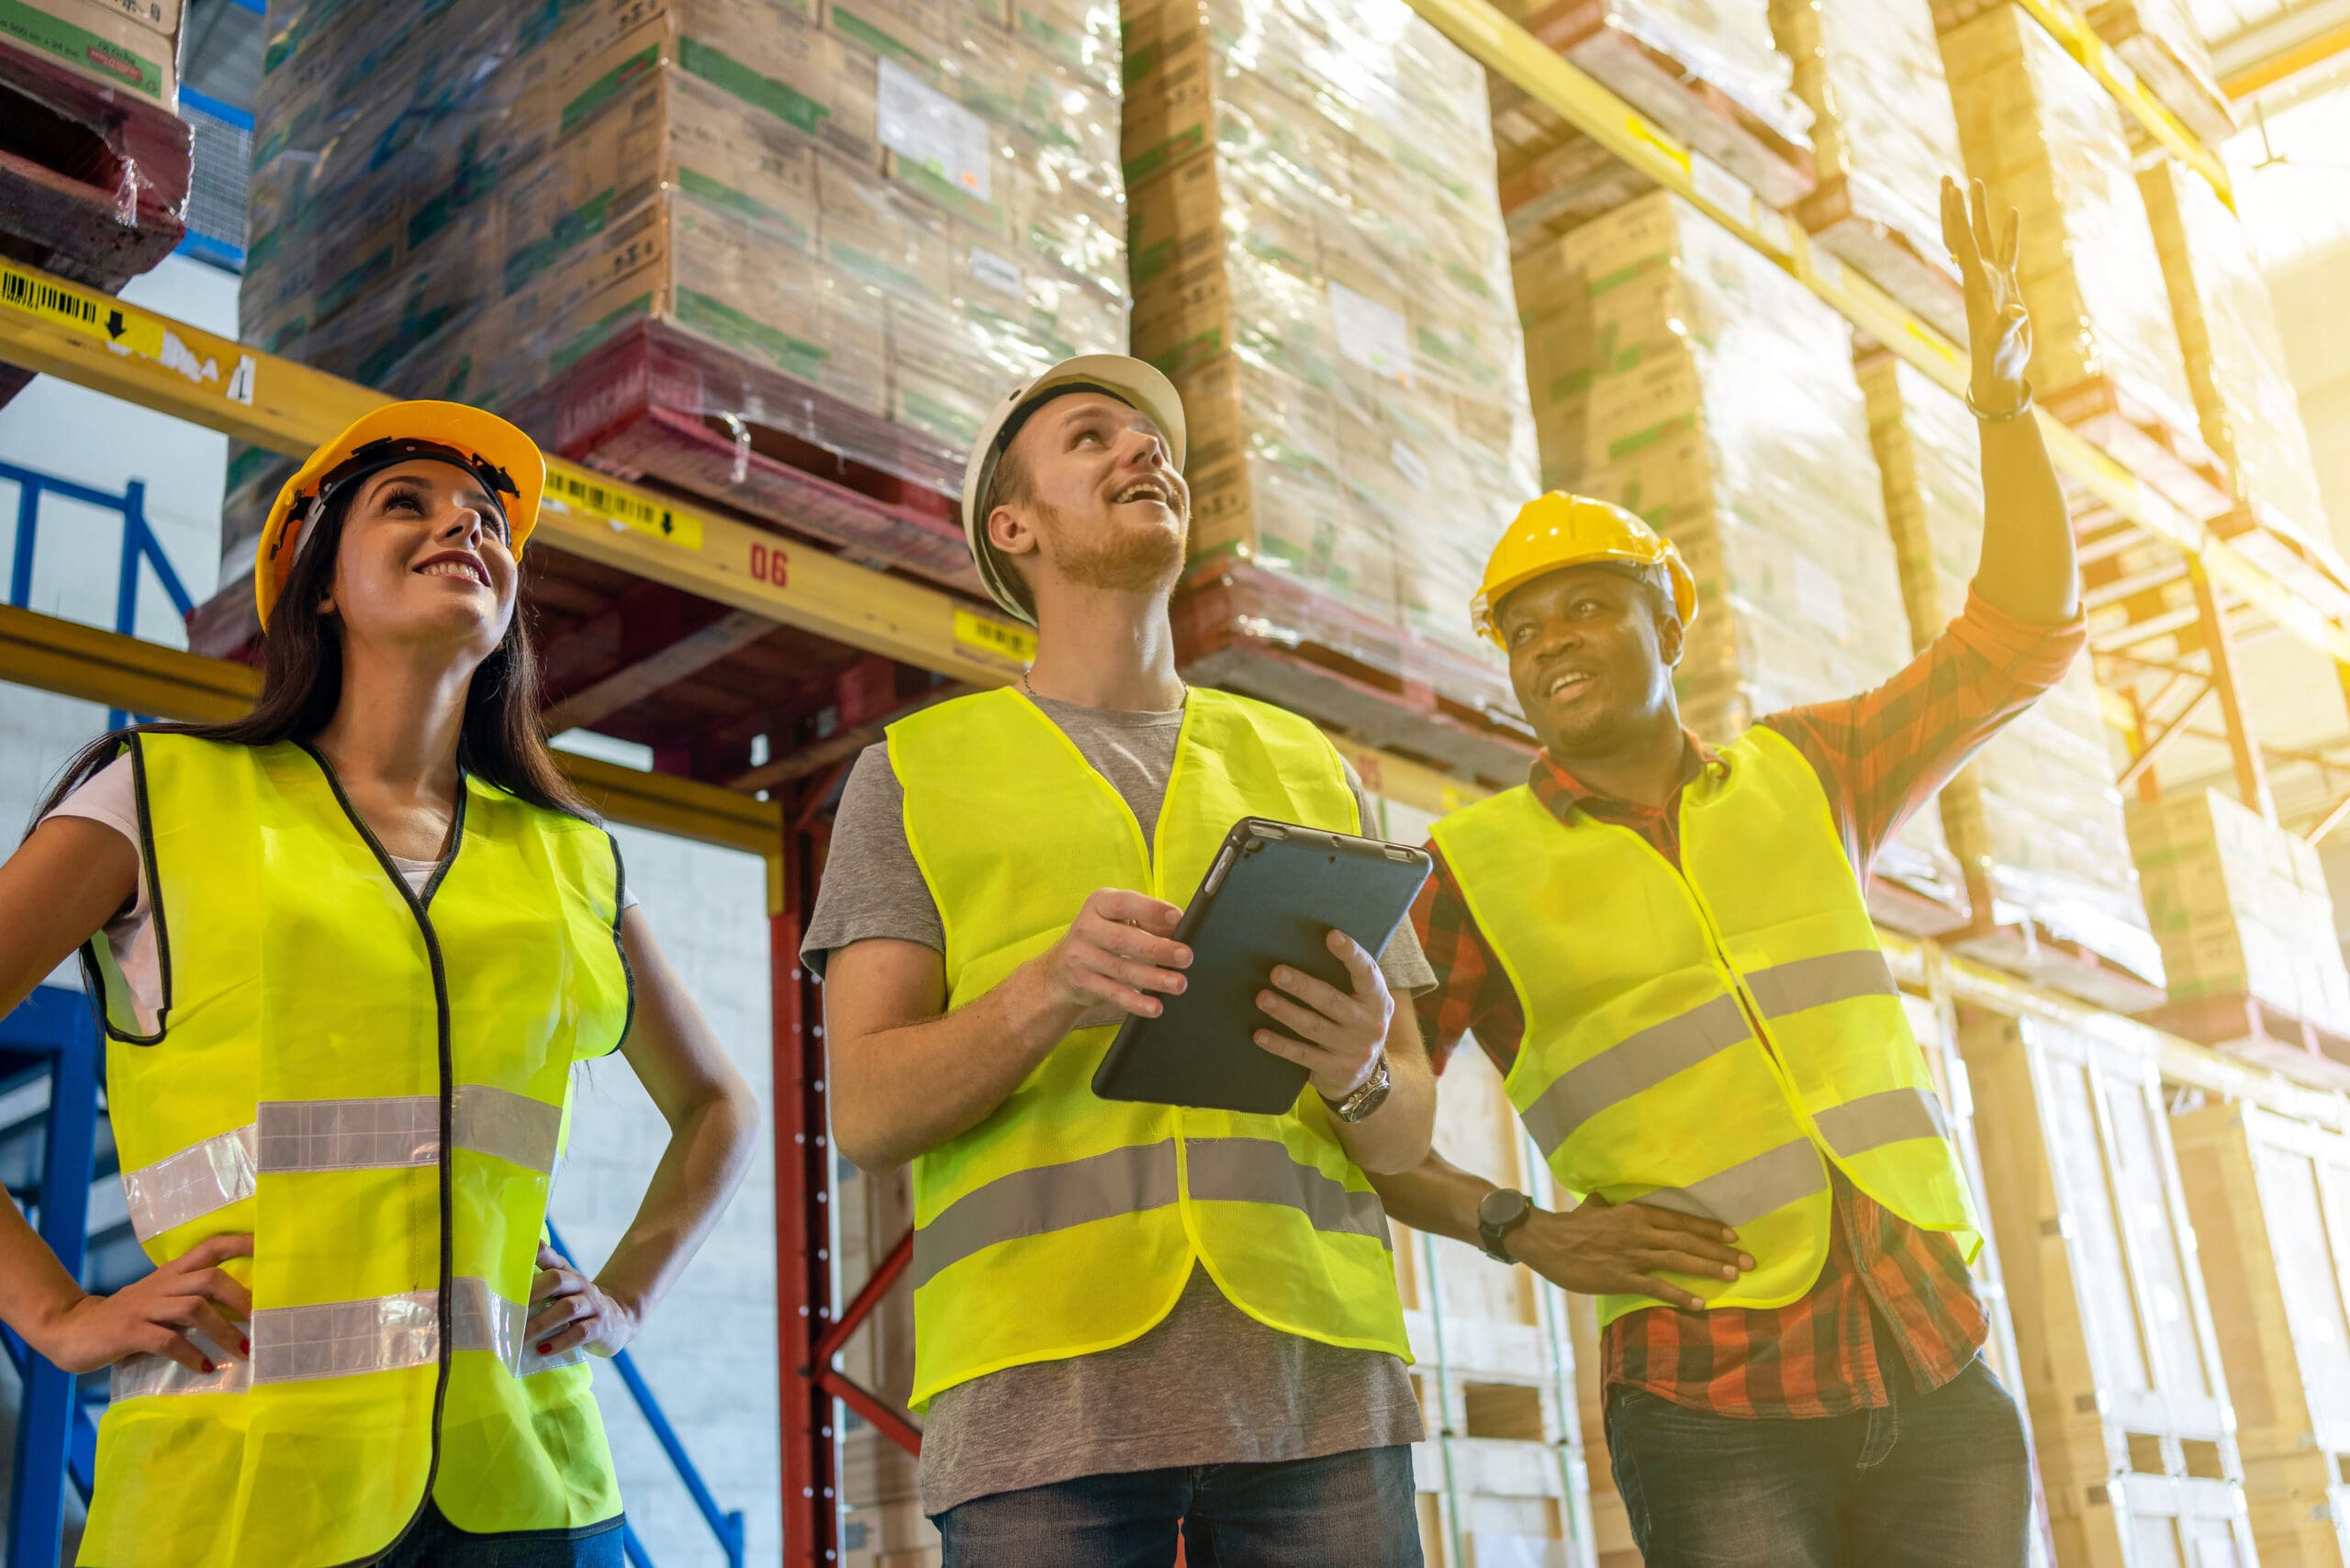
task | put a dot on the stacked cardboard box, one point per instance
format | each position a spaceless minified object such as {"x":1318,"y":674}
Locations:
{"x":1319,"y":263}
{"x":2235,"y":357}
{"x":2047,"y":140}
{"x":1693,"y":381}
{"x":1882,"y":136}
{"x":2167,"y":51}
{"x":2241,"y":907}
{"x":133,"y":45}
{"x":846,"y":224}
{"x":2035,"y":818}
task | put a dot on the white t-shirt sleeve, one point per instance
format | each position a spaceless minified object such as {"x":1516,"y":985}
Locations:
{"x":111,"y":796}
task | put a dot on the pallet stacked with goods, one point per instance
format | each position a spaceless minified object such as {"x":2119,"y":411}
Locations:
{"x":95,"y":161}
{"x":778,"y":256}
{"x":2132,"y":1426}
{"x":1704,"y":70}
{"x":2246,"y":924}
{"x":1658,"y":328}
{"x":1882,"y":136}
{"x":2035,"y":818}
{"x":2270,"y":1198}
{"x":1319,"y":264}
{"x":2166,"y":52}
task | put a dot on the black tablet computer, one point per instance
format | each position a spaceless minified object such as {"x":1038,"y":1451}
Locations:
{"x":1270,"y":896}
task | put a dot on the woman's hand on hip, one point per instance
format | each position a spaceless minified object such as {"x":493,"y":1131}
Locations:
{"x":190,"y":1293}
{"x":572,"y":1309}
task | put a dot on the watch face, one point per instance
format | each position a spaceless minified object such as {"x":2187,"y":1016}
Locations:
{"x":1498,"y":1209}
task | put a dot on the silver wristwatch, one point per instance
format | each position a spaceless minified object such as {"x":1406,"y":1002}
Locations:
{"x":1368,"y":1097}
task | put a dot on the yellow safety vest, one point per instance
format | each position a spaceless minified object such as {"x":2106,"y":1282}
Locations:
{"x":376,"y":1086}
{"x":1641,"y":1076}
{"x":1066,"y":1224}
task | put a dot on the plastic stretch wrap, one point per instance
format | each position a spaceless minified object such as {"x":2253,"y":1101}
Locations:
{"x":2235,"y":357}
{"x":2048,"y":140}
{"x":2241,"y":907}
{"x":1872,"y":75}
{"x":2036,"y":812}
{"x":1695,"y":381}
{"x":1725,"y":42}
{"x":849,"y":224}
{"x":2166,"y":49}
{"x":1320,"y":263}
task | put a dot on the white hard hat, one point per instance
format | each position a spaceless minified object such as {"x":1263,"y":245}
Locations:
{"x":1131,"y":381}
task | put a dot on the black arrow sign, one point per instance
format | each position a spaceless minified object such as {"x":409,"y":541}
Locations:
{"x":115,"y":327}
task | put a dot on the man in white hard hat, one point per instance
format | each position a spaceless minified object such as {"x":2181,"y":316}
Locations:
{"x":1126,"y":1315}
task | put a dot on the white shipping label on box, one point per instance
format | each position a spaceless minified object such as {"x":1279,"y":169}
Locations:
{"x":1410,"y":465}
{"x":920,"y":122}
{"x":998,"y":272}
{"x":1371,"y":334}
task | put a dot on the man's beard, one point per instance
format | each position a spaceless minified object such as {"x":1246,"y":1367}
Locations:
{"x":1126,"y":561}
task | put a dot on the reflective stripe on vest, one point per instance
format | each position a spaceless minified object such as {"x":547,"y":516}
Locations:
{"x":1133,"y":1181}
{"x":336,"y":1135}
{"x":1065,"y":1223}
{"x":1642,"y":1075}
{"x":342,"y":1338}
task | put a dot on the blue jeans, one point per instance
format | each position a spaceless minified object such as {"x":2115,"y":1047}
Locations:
{"x":434,"y":1542}
{"x":1935,"y":1480}
{"x":1348,"y":1510}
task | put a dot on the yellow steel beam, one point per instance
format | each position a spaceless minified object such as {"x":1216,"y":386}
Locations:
{"x":60,"y":329}
{"x":2285,"y":45}
{"x":1512,"y":52}
{"x":146,"y":678}
{"x":2113,"y":74}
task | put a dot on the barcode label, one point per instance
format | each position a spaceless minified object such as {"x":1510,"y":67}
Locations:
{"x":994,"y":641}
{"x":31,"y":295}
{"x":571,"y":489}
{"x":122,"y":328}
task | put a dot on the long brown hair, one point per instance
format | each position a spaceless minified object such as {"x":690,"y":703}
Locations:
{"x":500,"y":742}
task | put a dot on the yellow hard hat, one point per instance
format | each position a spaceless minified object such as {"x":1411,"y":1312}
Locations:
{"x":1559,"y":529}
{"x":507,"y":463}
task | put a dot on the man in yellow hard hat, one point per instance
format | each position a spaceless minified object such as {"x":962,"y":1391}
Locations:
{"x":1126,"y":1316}
{"x":1664,"y":948}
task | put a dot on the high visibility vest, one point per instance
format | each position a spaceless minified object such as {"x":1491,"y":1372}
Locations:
{"x":1642,"y":1077}
{"x":1065,"y":1223}
{"x":375,"y":1085}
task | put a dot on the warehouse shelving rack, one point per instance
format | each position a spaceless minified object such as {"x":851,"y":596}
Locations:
{"x":863,"y":644}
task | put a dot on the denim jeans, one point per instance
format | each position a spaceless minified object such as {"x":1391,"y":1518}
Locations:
{"x":1348,"y":1510}
{"x":434,"y":1542}
{"x":1935,"y":1480}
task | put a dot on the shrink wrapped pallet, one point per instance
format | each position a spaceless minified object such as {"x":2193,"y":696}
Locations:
{"x":2046,"y":138}
{"x":1883,"y":137}
{"x":2270,"y":1198}
{"x":2167,"y":52}
{"x":1693,"y":381}
{"x":2245,"y":920}
{"x":1319,"y":264}
{"x":2036,"y":820}
{"x":783,"y":255}
{"x":2121,"y":1376}
{"x":2244,"y":392}
{"x":1706,"y":71}
{"x":132,"y":47}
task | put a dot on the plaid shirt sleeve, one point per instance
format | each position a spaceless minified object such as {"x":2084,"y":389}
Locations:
{"x":1472,"y":994}
{"x":1884,"y":754}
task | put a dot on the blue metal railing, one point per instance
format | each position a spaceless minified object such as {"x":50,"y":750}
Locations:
{"x":727,"y":1526}
{"x":139,"y":546}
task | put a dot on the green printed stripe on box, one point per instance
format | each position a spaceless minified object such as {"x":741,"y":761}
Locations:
{"x":940,"y":418}
{"x":1190,"y":352}
{"x":712,"y":319}
{"x":55,"y":36}
{"x":1150,"y":261}
{"x":1142,"y":166}
{"x":593,"y":334}
{"x":607,"y":86}
{"x":346,"y":287}
{"x":723,"y":70}
{"x":852,"y":26}
{"x":1643,"y":439}
{"x":572,"y":227}
{"x":727,"y":198}
{"x":1138,"y":62}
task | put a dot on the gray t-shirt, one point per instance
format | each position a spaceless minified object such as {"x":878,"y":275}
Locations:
{"x":1249,"y":1393}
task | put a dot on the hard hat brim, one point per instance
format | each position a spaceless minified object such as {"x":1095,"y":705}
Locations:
{"x":497,"y":444}
{"x":1138,"y":383}
{"x":1487,"y":605}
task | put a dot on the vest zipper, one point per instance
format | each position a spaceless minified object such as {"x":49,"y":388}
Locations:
{"x":444,"y":1293}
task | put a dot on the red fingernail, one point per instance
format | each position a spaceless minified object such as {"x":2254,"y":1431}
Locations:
{"x":543,"y":1349}
{"x":208,"y":1367}
{"x":245,"y":1347}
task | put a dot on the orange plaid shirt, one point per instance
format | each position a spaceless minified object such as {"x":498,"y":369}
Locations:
{"x":1881,"y":755}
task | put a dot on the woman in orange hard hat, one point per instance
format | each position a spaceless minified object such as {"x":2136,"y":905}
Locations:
{"x":348,"y":948}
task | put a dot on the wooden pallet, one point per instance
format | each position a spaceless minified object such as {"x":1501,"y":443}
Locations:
{"x":92,"y":182}
{"x":655,"y":402}
{"x":2290,"y":552}
{"x":2185,"y":87}
{"x":2271,"y":1203}
{"x":1564,"y":182}
{"x":1849,"y":220}
{"x":2121,"y":1369}
{"x":2228,"y":1020}
{"x":2169,"y":456}
{"x":1248,"y":629}
{"x":2028,"y":950}
{"x":1671,"y":92}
